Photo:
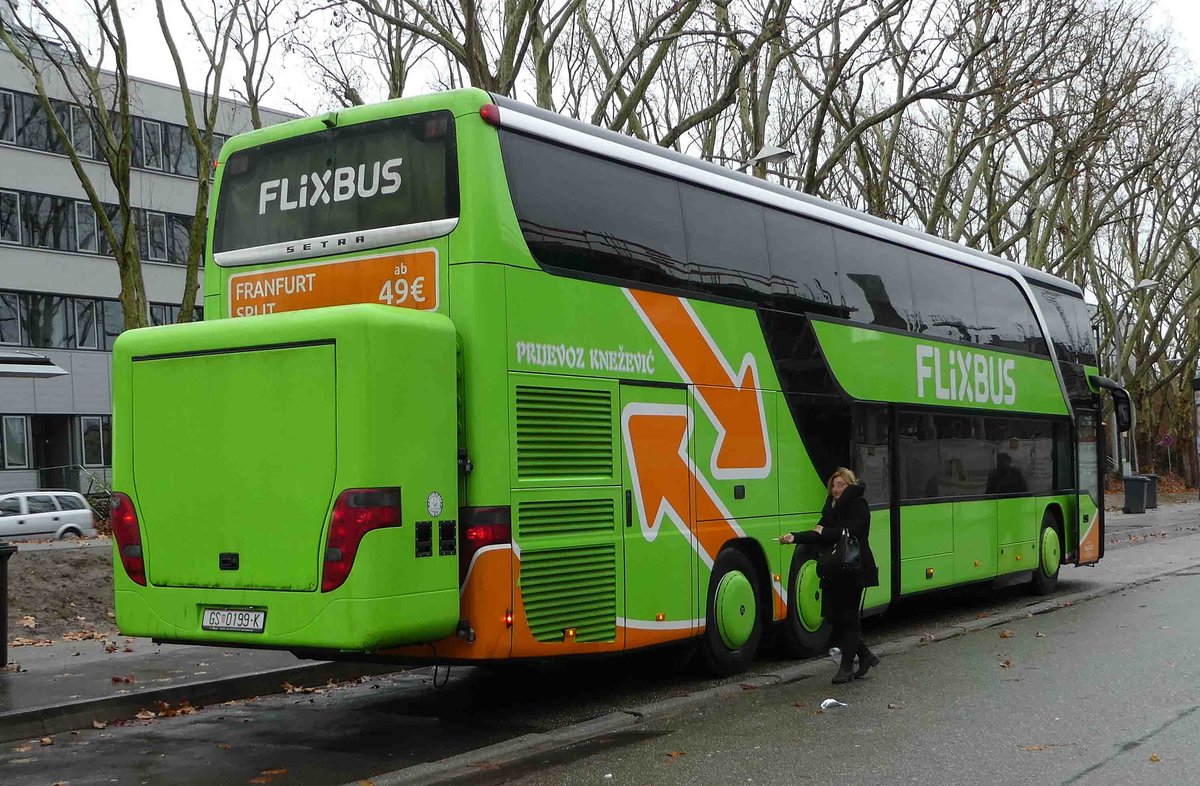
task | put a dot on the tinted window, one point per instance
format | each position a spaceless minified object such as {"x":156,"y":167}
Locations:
{"x":797,"y":356}
{"x":1006,"y":320}
{"x":69,"y":503}
{"x":10,"y":318}
{"x":10,"y":506}
{"x":48,"y":221}
{"x":81,"y":133}
{"x":85,"y":227}
{"x":391,"y":172}
{"x":595,"y":216}
{"x":942,"y":294}
{"x":86,"y":334}
{"x":726,"y":241}
{"x":919,"y":468}
{"x":46,"y":321}
{"x":40,"y":504}
{"x":1070,"y":330}
{"x":178,"y":229}
{"x":178,"y":151}
{"x":10,"y":217}
{"x":803,"y":265}
{"x":16,"y":454}
{"x":871,"y":458}
{"x":8,"y":126}
{"x":875,"y":282}
{"x":1024,"y":456}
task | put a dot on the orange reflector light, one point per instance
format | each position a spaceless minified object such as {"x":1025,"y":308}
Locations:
{"x":569,"y":635}
{"x":1018,"y":558}
{"x":929,"y":573}
{"x":508,"y":618}
{"x":659,"y":617}
{"x":777,"y":577}
{"x":977,"y":563}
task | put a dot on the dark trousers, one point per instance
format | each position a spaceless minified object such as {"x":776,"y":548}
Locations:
{"x":843,"y":602}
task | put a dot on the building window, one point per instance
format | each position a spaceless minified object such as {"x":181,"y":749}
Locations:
{"x":8,"y":124}
{"x":10,"y":318}
{"x":87,"y":335}
{"x":85,"y":228}
{"x":16,"y":443}
{"x":178,"y":238}
{"x":48,"y":221}
{"x":92,"y":439}
{"x":179,"y":153}
{"x":151,"y":144}
{"x":158,"y":315}
{"x":114,"y":322}
{"x":10,"y":217}
{"x":156,"y":230}
{"x":81,"y":133}
{"x":45,"y":321}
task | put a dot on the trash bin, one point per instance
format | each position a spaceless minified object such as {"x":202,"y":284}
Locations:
{"x":1135,"y":494}
{"x":1151,"y":491}
{"x":6,"y":551}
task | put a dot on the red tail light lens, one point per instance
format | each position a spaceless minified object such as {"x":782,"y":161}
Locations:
{"x":129,"y":537}
{"x":356,"y":512}
{"x":479,"y":527}
{"x":490,"y":114}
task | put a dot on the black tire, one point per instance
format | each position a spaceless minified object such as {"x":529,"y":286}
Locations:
{"x":1045,"y":577}
{"x":797,"y":640}
{"x":719,"y":657}
{"x":70,"y":532}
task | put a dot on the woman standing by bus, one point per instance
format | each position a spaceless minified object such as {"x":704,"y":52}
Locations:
{"x":842,"y":594}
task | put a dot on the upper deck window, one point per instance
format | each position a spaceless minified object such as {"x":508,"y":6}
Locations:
{"x":385,"y":173}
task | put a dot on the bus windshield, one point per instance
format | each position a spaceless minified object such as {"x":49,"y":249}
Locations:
{"x":385,"y":173}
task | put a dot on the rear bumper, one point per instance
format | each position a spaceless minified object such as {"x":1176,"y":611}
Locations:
{"x":294,"y":619}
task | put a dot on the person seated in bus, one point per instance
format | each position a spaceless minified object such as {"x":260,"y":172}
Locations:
{"x":842,"y":595}
{"x":1005,"y":478}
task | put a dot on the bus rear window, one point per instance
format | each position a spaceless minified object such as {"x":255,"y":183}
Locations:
{"x":385,"y":173}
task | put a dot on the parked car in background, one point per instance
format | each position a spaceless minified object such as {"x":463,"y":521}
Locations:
{"x":45,"y":514}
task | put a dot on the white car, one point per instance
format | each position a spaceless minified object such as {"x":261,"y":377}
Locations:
{"x":41,"y":514}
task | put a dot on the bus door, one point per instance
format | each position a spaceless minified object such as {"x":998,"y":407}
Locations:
{"x":1089,"y":458}
{"x":660,"y":581}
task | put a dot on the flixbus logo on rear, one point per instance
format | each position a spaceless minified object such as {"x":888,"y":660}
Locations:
{"x":963,"y":375}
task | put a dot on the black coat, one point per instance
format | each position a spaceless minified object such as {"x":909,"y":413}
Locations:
{"x":851,"y":513}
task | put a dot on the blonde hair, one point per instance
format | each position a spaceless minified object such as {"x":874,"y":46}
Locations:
{"x":845,"y":474}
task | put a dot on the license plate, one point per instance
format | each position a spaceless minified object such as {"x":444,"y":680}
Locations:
{"x":242,"y":620}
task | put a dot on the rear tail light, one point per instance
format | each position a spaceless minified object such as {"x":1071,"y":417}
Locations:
{"x":356,"y":512}
{"x":129,"y":537}
{"x":490,"y":114}
{"x":477,"y":528}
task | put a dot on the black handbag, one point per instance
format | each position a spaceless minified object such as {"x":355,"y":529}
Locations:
{"x":841,"y":558}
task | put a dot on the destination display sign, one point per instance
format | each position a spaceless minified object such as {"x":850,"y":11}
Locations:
{"x":405,"y":280}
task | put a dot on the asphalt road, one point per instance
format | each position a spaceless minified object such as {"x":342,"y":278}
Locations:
{"x":1105,"y":692}
{"x":960,"y":709}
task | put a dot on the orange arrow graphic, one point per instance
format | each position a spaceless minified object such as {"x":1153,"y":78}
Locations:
{"x":730,"y":399}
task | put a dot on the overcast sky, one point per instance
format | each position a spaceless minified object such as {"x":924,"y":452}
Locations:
{"x":149,"y":54}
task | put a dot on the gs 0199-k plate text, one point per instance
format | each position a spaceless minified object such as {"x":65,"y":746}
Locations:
{"x":242,"y":620}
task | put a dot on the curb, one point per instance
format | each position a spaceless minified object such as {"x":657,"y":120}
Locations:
{"x":56,"y":719}
{"x":519,"y":749}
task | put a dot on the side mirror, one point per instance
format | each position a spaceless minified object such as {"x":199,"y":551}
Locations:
{"x":1122,"y":410}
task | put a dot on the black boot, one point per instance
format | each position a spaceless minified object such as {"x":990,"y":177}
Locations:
{"x":845,"y":672}
{"x":866,"y":661}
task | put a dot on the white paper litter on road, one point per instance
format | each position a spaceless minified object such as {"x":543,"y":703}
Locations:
{"x":830,"y":703}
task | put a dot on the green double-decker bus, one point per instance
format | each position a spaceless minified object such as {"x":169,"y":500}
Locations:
{"x":477,"y":382}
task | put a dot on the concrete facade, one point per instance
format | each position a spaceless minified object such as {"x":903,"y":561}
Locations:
{"x":65,"y":420}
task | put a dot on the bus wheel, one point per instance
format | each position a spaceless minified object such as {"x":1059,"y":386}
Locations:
{"x":1045,"y":578}
{"x":805,"y":630}
{"x":733,"y":624}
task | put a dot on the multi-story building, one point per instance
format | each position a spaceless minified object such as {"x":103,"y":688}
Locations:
{"x":58,"y":280}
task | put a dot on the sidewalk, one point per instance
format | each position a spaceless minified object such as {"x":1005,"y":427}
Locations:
{"x":72,"y":683}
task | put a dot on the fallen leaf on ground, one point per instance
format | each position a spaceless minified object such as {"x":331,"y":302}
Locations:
{"x":145,"y":715}
{"x":13,"y":667}
{"x":82,"y":635}
{"x":99,"y":724}
{"x":981,"y":615}
{"x":1067,"y":603}
{"x":676,"y":754}
{"x":128,"y":649}
{"x":23,"y":761}
{"x":26,"y":748}
{"x":748,"y":686}
{"x":1154,"y":758}
{"x":21,"y":641}
{"x":110,"y":647}
{"x":47,"y":741}
{"x":122,"y":680}
{"x":1005,"y":664}
{"x":1006,"y":634}
{"x":225,"y":746}
{"x":800,"y":704}
{"x":1033,"y":747}
{"x":1039,"y":635}
{"x":266,"y":776}
{"x":28,"y":621}
{"x":895,"y":706}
